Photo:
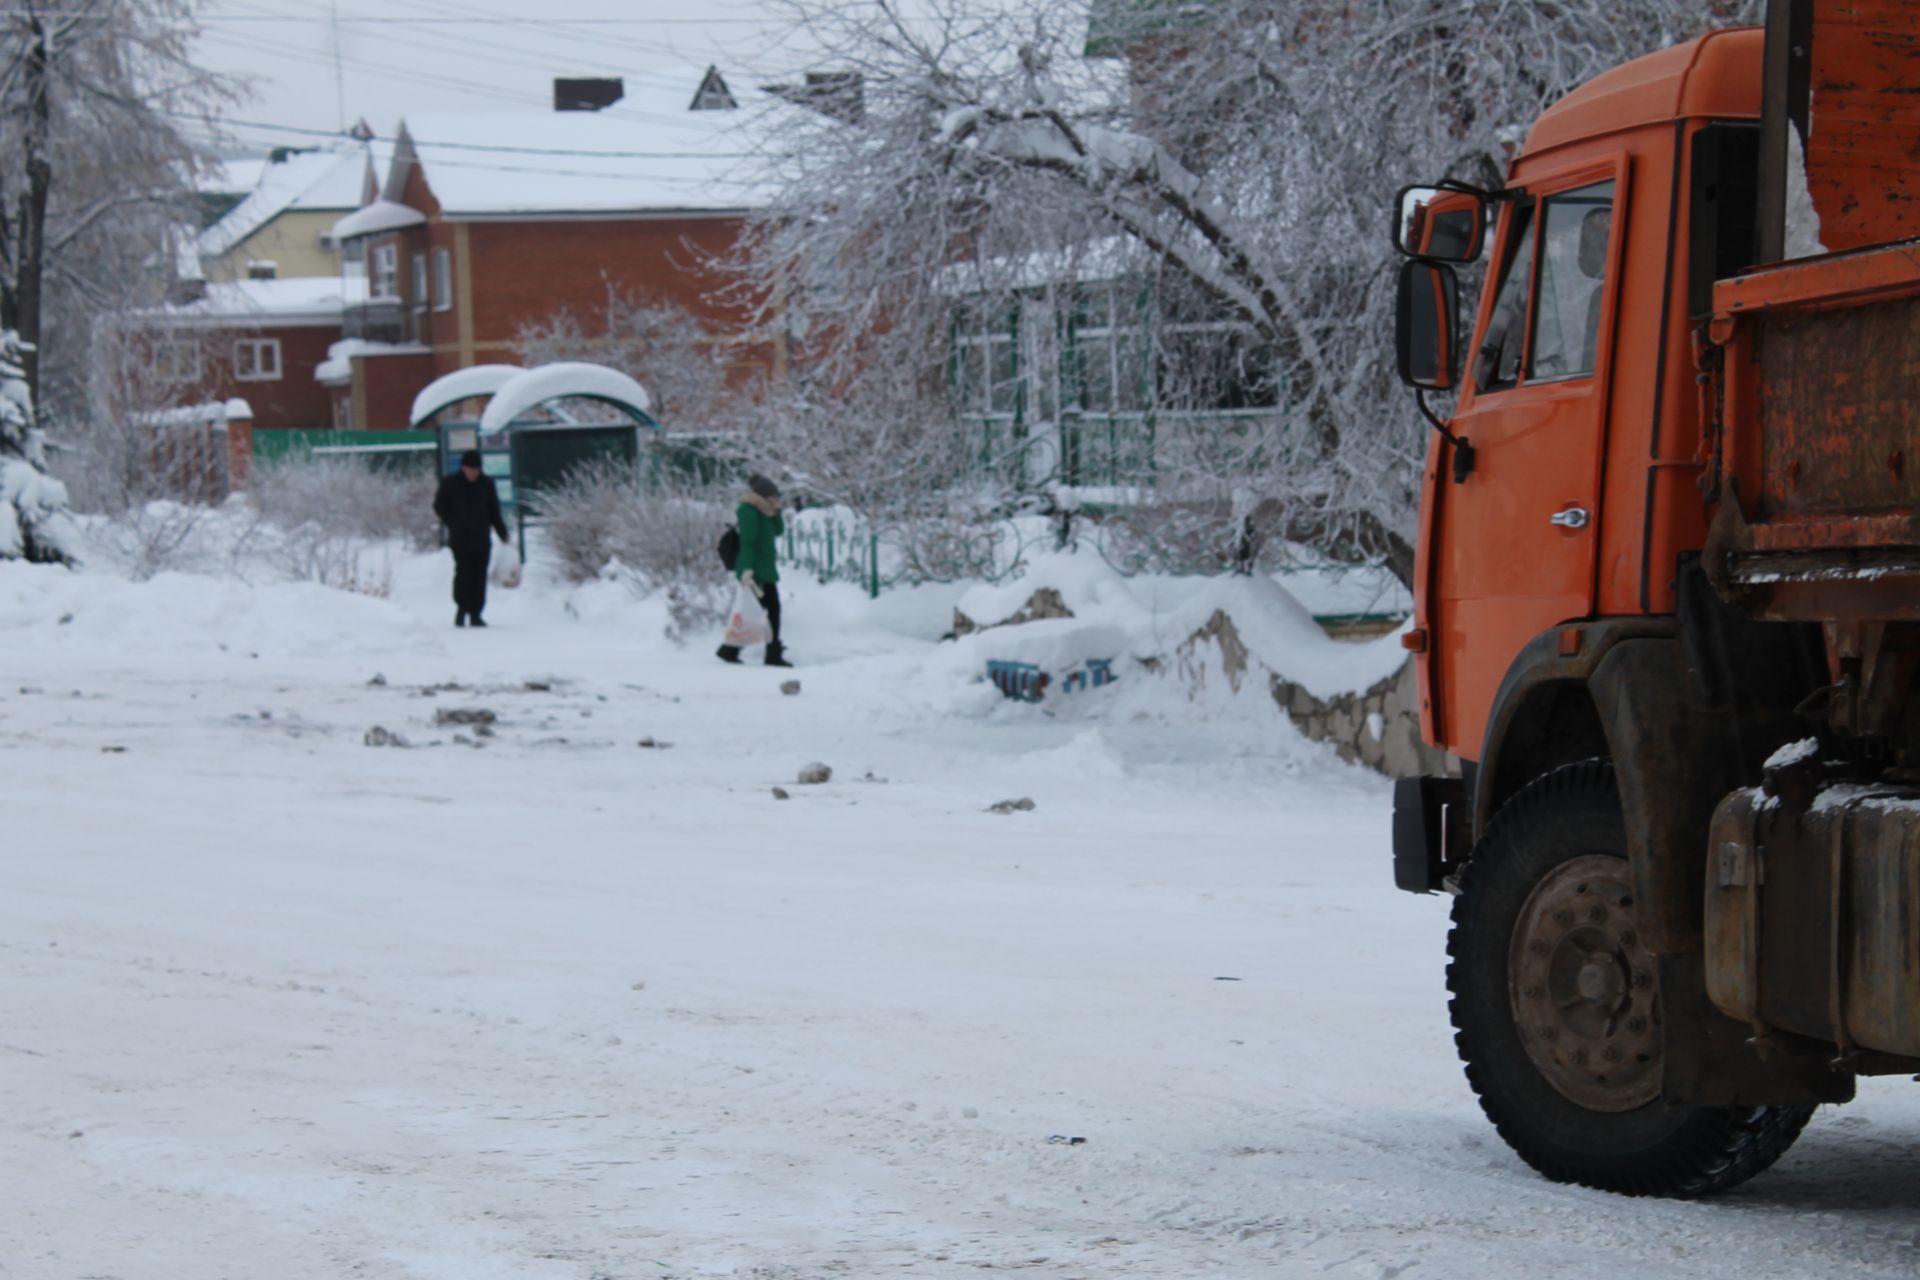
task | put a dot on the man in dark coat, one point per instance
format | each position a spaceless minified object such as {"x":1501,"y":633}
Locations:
{"x":469,"y":505}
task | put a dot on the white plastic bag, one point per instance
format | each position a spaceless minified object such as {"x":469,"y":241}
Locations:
{"x":746,"y":619}
{"x":506,"y":567}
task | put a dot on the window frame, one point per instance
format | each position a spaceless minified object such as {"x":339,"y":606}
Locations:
{"x":168,"y":364}
{"x":417,"y":281}
{"x":258,"y":346}
{"x":442,"y":280}
{"x":1535,"y":194}
{"x":1609,"y":274}
{"x":383,"y":273}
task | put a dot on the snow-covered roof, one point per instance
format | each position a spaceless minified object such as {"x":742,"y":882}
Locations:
{"x":298,"y":300}
{"x":210,"y":413}
{"x":337,"y":368}
{"x":1105,"y":259}
{"x":461,"y":384}
{"x":381,"y":215}
{"x":329,"y":179}
{"x":647,"y":152}
{"x":556,"y":381}
{"x":232,"y":175}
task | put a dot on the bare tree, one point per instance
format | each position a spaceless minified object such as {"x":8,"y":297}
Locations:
{"x":96,"y":170}
{"x":1243,"y":151}
{"x":673,"y":352}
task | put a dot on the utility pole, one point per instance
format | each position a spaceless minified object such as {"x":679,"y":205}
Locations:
{"x":339,"y":76}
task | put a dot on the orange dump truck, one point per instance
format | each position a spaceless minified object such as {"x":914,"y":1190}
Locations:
{"x":1667,"y":600}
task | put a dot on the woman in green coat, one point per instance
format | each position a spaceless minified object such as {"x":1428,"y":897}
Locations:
{"x":758,"y":520}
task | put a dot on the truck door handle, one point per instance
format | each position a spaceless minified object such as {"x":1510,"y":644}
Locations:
{"x":1571,"y":518}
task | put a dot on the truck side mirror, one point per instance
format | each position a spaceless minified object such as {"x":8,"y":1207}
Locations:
{"x":1444,"y":224}
{"x":1426,"y":320}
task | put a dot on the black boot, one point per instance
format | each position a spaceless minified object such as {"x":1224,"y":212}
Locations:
{"x":475,"y":620}
{"x":460,"y":618}
{"x":777,"y":655}
{"x":729,"y":653}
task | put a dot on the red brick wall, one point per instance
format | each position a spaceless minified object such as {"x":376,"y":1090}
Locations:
{"x":293,"y":399}
{"x":526,"y":271}
{"x":389,"y":384}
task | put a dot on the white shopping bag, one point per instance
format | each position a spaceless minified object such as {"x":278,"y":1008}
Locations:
{"x":746,"y":619}
{"x":506,"y":567}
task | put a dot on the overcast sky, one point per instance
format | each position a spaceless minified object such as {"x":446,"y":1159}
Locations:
{"x":321,"y":66}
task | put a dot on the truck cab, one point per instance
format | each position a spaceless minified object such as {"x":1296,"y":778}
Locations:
{"x":1652,"y":614}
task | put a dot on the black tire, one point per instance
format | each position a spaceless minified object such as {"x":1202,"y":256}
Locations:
{"x":1511,"y":938}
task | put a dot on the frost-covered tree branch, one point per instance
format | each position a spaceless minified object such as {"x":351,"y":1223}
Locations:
{"x":1238,"y":155}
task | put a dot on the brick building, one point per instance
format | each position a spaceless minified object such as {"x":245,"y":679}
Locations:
{"x":486,"y":222}
{"x":263,"y":341}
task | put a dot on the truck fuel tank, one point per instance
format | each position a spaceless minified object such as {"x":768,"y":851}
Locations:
{"x":1813,"y":914}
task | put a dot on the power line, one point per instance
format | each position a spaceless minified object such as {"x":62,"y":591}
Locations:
{"x":481,"y":22}
{"x":383,"y":19}
{"x":335,"y":60}
{"x":387,"y":70}
{"x":472,"y":146}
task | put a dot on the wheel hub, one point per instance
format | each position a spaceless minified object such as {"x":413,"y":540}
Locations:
{"x":1582,"y":988}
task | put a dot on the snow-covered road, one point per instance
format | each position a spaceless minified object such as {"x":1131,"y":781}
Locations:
{"x":278,"y":1003}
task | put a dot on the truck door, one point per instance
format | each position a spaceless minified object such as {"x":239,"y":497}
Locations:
{"x":1514,"y":545}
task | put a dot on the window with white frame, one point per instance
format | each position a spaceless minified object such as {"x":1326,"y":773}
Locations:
{"x":417,"y":282}
{"x":442,"y":280}
{"x":383,"y":281}
{"x":986,"y":371}
{"x":256,"y":359}
{"x":175,"y":361}
{"x":1108,"y":363}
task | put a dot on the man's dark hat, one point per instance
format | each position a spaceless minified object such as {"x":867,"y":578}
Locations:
{"x":471,"y":458}
{"x":763,"y":486}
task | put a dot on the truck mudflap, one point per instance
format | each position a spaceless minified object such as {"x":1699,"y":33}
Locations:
{"x":1813,"y":916}
{"x":1425,"y":850}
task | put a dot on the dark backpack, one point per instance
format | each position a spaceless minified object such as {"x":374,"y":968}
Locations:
{"x":730,"y":547}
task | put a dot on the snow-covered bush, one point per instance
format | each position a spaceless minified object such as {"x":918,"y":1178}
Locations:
{"x":33,"y":505}
{"x":337,"y":521}
{"x":164,"y":536}
{"x":350,"y":497}
{"x":657,"y":530}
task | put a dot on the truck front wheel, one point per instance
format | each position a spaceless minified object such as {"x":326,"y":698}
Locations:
{"x":1556,"y":1006}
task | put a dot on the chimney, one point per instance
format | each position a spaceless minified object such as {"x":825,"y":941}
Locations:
{"x":590,"y":94}
{"x":840,"y":95}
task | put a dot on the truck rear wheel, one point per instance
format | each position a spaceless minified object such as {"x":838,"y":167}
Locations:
{"x":1556,"y":1007}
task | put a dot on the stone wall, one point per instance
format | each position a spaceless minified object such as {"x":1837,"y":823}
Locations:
{"x":1377,"y":727}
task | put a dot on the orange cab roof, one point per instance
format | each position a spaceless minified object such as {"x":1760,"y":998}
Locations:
{"x":1716,"y":76}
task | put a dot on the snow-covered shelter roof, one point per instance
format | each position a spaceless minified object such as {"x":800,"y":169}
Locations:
{"x":295,"y":301}
{"x":461,"y":384}
{"x":563,"y":380}
{"x":648,"y":152}
{"x":330,"y":179}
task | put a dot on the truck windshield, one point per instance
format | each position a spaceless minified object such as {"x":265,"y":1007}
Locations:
{"x":1497,"y":364}
{"x":1573,"y":270}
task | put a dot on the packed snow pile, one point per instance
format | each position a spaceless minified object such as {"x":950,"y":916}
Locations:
{"x":1152,"y":618}
{"x":1214,"y":647}
{"x":187,"y":613}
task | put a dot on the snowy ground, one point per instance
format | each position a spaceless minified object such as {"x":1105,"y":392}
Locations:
{"x":280,"y":1004}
